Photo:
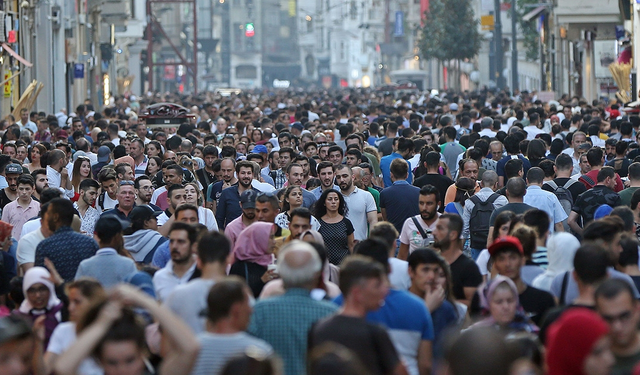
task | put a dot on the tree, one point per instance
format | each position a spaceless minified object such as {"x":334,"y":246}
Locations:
{"x":529,"y":28}
{"x":450,"y":31}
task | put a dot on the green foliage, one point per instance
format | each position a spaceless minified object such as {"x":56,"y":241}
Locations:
{"x":450,"y":31}
{"x":529,"y":29}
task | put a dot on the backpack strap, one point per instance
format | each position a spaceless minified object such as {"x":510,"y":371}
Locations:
{"x":563,"y":290}
{"x":475,"y":199}
{"x":569,"y":183}
{"x":101,"y":199}
{"x":420,"y":229}
{"x":492,"y":198}
{"x":552,"y":184}
{"x":588,"y":180}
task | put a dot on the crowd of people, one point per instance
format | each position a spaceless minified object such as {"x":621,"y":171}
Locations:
{"x":353,"y":232}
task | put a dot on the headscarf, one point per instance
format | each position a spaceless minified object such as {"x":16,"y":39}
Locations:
{"x":520,"y":321}
{"x":252,"y":244}
{"x":33,"y":276}
{"x":200,"y":162}
{"x":570,"y":340}
{"x":561,"y":248}
{"x":317,"y":237}
{"x":125,"y":159}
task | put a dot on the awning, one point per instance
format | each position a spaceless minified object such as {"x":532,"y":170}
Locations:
{"x":15,"y":54}
{"x":534,"y":13}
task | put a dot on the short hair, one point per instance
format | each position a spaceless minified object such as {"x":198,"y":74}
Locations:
{"x":223,"y":295}
{"x":430,"y":190}
{"x":173,"y":188}
{"x":214,"y":247}
{"x":624,"y":213}
{"x":513,"y":167}
{"x":88,"y":183}
{"x":634,"y":171}
{"x":64,"y":209}
{"x":176,"y":167}
{"x":604,"y":229}
{"x":594,"y":156}
{"x":489,"y":178}
{"x":192,"y":232}
{"x":300,"y":276}
{"x":302,"y":212}
{"x":605,"y":172}
{"x":424,"y":256}
{"x":547,"y":167}
{"x":516,"y":187}
{"x":399,"y":168}
{"x":185,"y":207}
{"x":590,"y":263}
{"x":269,"y":198}
{"x":26,"y":179}
{"x":564,"y":162}
{"x":538,"y":220}
{"x":244,"y":164}
{"x":535,"y":175}
{"x":374,"y":248}
{"x":527,"y":237}
{"x":324,"y":164}
{"x":356,"y":269}
{"x":386,"y":232}
{"x":635,"y":199}
{"x":455,"y":222}
{"x":611,"y":288}
{"x":333,"y":149}
{"x":210,"y":150}
{"x":136,"y":182}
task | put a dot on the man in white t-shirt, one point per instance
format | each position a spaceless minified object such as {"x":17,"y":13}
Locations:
{"x":416,"y":230}
{"x":362,"y":206}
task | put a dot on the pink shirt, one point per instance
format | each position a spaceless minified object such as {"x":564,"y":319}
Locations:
{"x":233,"y":229}
{"x":15,"y":215}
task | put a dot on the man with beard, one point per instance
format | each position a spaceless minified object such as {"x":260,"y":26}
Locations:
{"x":10,"y":193}
{"x":465,"y":275}
{"x":172,"y":175}
{"x":362,"y":207}
{"x":144,"y":192}
{"x":248,"y":217}
{"x":19,"y":211}
{"x":228,"y":204}
{"x":182,"y":244}
{"x":326,"y":176}
{"x":89,"y":215}
{"x":176,"y":197}
{"x":417,"y":230}
{"x":227,"y":169}
{"x":137,"y":153}
{"x":42,"y":182}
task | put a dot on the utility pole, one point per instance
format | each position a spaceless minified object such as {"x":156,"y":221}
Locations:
{"x":498,"y":46}
{"x":514,"y":48}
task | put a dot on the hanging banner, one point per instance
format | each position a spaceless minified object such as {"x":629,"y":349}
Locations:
{"x":399,"y":27}
{"x":7,"y":85}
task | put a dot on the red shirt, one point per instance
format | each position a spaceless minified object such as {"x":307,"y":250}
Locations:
{"x":594,"y":176}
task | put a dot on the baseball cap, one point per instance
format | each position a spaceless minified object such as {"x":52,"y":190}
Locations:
{"x":505,"y":242}
{"x":260,"y":149}
{"x":297,"y":125}
{"x":248,"y":199}
{"x":453,"y":106}
{"x":103,"y":154}
{"x":143,"y":212}
{"x":13,"y":168}
{"x":78,"y":154}
{"x":110,"y":224}
{"x":62,"y":134}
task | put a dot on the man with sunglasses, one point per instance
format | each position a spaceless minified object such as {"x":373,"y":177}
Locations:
{"x":616,"y":304}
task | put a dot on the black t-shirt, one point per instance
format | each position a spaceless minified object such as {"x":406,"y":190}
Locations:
{"x":621,"y":166}
{"x":464,"y":274}
{"x":588,"y":202}
{"x":4,"y":200}
{"x":534,"y":301}
{"x":368,"y":341}
{"x":441,"y":183}
{"x":576,"y":189}
{"x":552,"y":315}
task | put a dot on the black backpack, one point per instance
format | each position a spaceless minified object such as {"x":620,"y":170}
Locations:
{"x":480,"y":220}
{"x":564,"y":197}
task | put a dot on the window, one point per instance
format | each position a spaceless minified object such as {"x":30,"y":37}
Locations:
{"x":246,"y":72}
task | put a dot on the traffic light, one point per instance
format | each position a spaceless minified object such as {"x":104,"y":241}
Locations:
{"x":249,"y":30}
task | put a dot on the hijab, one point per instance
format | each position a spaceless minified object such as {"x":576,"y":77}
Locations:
{"x":252,"y":244}
{"x":561,"y":248}
{"x":34,"y":276}
{"x":569,"y":343}
{"x":317,"y":237}
{"x":520,"y":321}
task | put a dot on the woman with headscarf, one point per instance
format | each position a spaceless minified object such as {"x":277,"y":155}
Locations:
{"x":465,"y":189}
{"x":561,"y":248}
{"x":253,"y":252}
{"x":578,"y":344}
{"x":41,"y":300}
{"x":499,"y":300}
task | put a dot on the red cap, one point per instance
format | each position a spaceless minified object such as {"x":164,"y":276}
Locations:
{"x":508,"y":241}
